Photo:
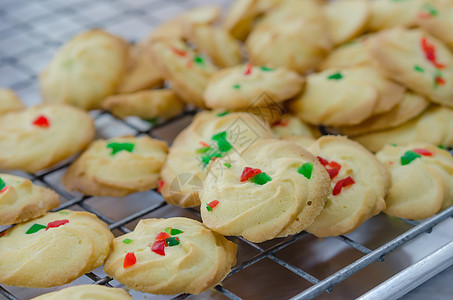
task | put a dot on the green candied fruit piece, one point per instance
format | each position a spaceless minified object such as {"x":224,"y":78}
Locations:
{"x":260,"y":179}
{"x":117,"y":147}
{"x":306,"y":169}
{"x":127,"y":241}
{"x":35,"y":228}
{"x":335,"y":76}
{"x":172,"y":241}
{"x":408,"y":157}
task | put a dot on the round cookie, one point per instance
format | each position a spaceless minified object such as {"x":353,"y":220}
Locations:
{"x":85,"y":70}
{"x":21,"y":200}
{"x":416,"y":60}
{"x":211,"y":135}
{"x":346,"y":97}
{"x":390,"y":13}
{"x":359,"y":185}
{"x":117,"y":167}
{"x":41,"y":136}
{"x":9,"y":101}
{"x":434,"y":126}
{"x":86,"y":292}
{"x":187,"y":72}
{"x":289,"y":125}
{"x":170,"y":256}
{"x":436,"y":18}
{"x":272,"y":189}
{"x":422,"y":180}
{"x":241,"y":87}
{"x":53,"y":250}
{"x":147,"y":105}
{"x":411,"y":106}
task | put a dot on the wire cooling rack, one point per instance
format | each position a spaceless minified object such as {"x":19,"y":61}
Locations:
{"x":300,"y":266}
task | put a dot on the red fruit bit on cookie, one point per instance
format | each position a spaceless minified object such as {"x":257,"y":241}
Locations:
{"x":3,"y":189}
{"x":162,"y":236}
{"x":341,"y":184}
{"x":56,"y":223}
{"x":430,"y":53}
{"x":212,"y":204}
{"x":159,"y":247}
{"x":178,"y":51}
{"x":129,"y":260}
{"x":160,"y":185}
{"x":440,"y":80}
{"x":248,"y":69}
{"x":249,"y":173}
{"x":323,"y":161}
{"x":423,"y":152}
{"x":282,"y":123}
{"x":334,"y":169}
{"x":41,"y":121}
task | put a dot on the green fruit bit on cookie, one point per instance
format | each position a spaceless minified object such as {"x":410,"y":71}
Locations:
{"x":408,"y":157}
{"x":306,"y":169}
{"x":260,"y":179}
{"x":336,"y":76}
{"x":35,"y":228}
{"x":117,"y":147}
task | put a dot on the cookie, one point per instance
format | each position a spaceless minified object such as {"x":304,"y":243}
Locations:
{"x":289,"y":125}
{"x":147,"y":105}
{"x":85,"y":70}
{"x":300,"y":140}
{"x":389,"y":13}
{"x":422,"y":180}
{"x":88,"y":291}
{"x":434,"y":126}
{"x":187,"y":72}
{"x":411,"y":106}
{"x":170,"y":256}
{"x":41,"y":136}
{"x":294,"y":36}
{"x":117,"y":167}
{"x":272,"y":189}
{"x":211,"y":135}
{"x":21,"y":200}
{"x":436,"y":18}
{"x":217,"y":43}
{"x":53,"y":250}
{"x":141,"y":73}
{"x":241,"y":87}
{"x":239,"y":18}
{"x":346,"y":19}
{"x":416,"y":60}
{"x":9,"y":101}
{"x":346,"y":97}
{"x":359,"y":184}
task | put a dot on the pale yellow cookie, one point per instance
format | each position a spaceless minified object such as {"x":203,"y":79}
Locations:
{"x":187,"y":72}
{"x":243,"y":86}
{"x":170,"y":256}
{"x":390,"y":13}
{"x":418,"y":61}
{"x":85,"y":70}
{"x":147,"y":105}
{"x":436,"y":18}
{"x":9,"y":101}
{"x":239,"y":19}
{"x":211,"y":135}
{"x":217,"y":43}
{"x":117,"y":167}
{"x":346,"y":19}
{"x":272,"y":189}
{"x":141,"y":73}
{"x":42,"y":136}
{"x":87,"y":292}
{"x":359,"y":185}
{"x":434,"y":126}
{"x":289,"y":125}
{"x":53,"y":250}
{"x":422,"y":180}
{"x":411,"y":106}
{"x":300,"y":140}
{"x":21,"y":200}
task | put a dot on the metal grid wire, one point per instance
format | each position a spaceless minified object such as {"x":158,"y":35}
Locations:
{"x":30,"y":33}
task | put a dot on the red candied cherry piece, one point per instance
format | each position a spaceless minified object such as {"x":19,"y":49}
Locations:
{"x":423,"y":152}
{"x":341,"y":184}
{"x":323,"y":161}
{"x":332,"y":172}
{"x":249,"y":173}
{"x":162,"y":236}
{"x":129,"y":260}
{"x":160,"y":185}
{"x":159,"y":247}
{"x":56,"y":223}
{"x":41,"y":121}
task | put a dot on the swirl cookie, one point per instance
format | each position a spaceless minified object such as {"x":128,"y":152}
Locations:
{"x":390,"y":13}
{"x":241,"y":87}
{"x":88,"y":291}
{"x":261,"y":198}
{"x":141,"y":73}
{"x":170,"y":256}
{"x":117,"y":167}
{"x":9,"y":101}
{"x":41,"y":136}
{"x":85,"y":70}
{"x":147,"y":105}
{"x":418,"y":61}
{"x":359,"y":185}
{"x":346,"y":97}
{"x":53,"y":250}
{"x":187,"y":72}
{"x":217,"y":43}
{"x":346,"y":19}
{"x":411,"y":106}
{"x":436,"y":18}
{"x":434,"y":126}
{"x":211,"y":135}
{"x":422,"y":180}
{"x":21,"y":200}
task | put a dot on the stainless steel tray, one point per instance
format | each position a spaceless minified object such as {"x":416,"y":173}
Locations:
{"x":363,"y":263}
